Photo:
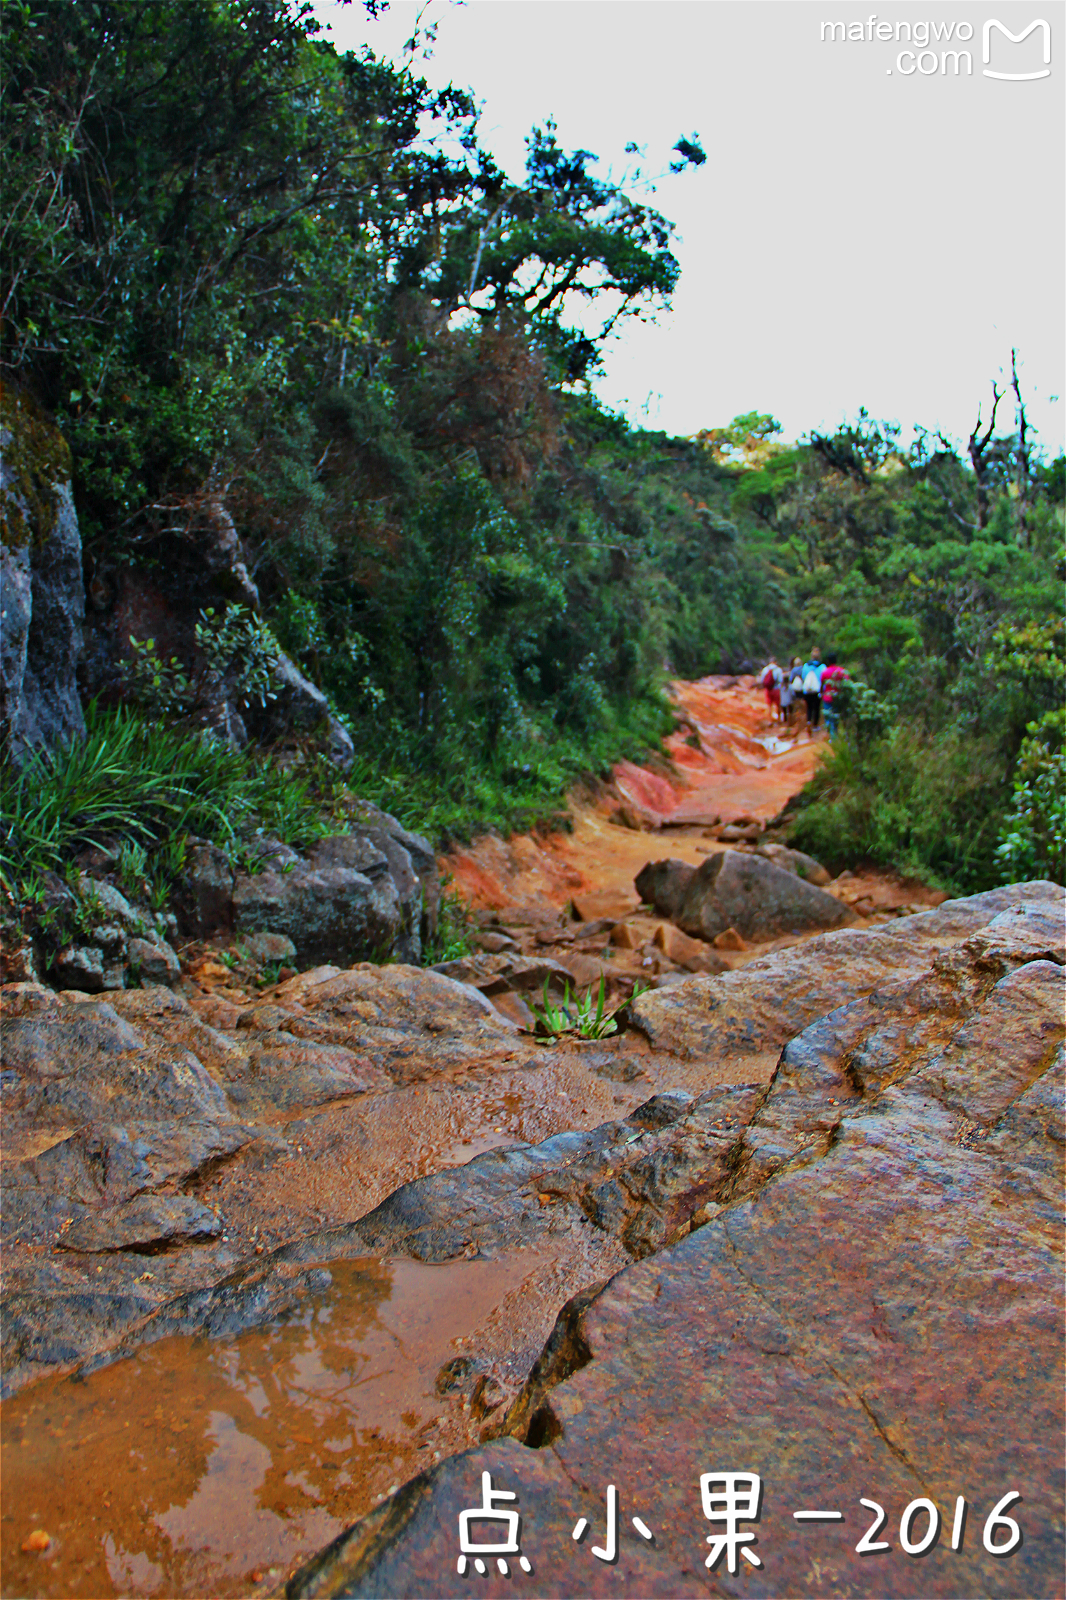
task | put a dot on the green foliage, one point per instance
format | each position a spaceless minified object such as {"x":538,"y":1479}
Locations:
{"x":932,"y":581}
{"x":585,"y":1015}
{"x":161,"y":688}
{"x":927,"y":805}
{"x":451,"y":792}
{"x":236,"y":657}
{"x":141,"y":786}
{"x":1032,"y":841}
{"x":240,"y":655}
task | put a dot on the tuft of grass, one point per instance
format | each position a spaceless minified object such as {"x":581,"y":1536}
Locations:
{"x":138,"y":788}
{"x":127,"y":781}
{"x":584,"y":1015}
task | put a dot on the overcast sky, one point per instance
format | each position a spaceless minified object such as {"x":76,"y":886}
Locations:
{"x":867,"y":230}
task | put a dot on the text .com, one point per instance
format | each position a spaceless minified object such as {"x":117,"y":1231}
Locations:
{"x":920,"y":57}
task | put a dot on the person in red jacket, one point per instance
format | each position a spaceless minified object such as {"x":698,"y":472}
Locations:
{"x":832,"y":678}
{"x":771,"y":683}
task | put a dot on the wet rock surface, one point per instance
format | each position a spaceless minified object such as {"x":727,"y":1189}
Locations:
{"x":869,"y":1309}
{"x":803,"y":1212}
{"x":41,"y":577}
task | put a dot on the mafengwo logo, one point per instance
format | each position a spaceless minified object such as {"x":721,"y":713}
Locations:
{"x":1012,"y":57}
{"x":1017,"y":38}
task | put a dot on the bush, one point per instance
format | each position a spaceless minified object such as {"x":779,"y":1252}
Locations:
{"x":1033,"y":836}
{"x":928,"y":806}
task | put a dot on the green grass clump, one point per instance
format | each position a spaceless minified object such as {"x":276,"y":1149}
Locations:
{"x":141,"y":787}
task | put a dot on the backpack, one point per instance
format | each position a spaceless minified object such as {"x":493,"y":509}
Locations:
{"x":767,"y":679}
{"x":812,"y":684}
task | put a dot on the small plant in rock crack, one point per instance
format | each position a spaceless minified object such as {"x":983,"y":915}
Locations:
{"x":228,"y":958}
{"x":550,"y":1021}
{"x":591,"y":1019}
{"x":586,"y":1016}
{"x":269,"y":974}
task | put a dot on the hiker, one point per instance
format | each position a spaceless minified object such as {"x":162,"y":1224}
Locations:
{"x":771,"y":681}
{"x":832,"y":678}
{"x":788,"y":691}
{"x":796,"y":677}
{"x":812,"y":688}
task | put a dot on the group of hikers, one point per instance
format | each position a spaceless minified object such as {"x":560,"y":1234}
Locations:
{"x":815,"y":682}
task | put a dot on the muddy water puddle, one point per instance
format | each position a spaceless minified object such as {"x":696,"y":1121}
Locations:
{"x":216,"y":1466}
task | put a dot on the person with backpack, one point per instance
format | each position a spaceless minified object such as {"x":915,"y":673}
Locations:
{"x":771,"y":683}
{"x":789,"y":691}
{"x":832,"y":678}
{"x":812,"y":671}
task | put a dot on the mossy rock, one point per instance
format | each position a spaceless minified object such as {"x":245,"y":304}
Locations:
{"x":36,"y":461}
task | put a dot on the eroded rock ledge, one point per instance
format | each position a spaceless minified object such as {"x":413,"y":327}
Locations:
{"x":870,"y":1310}
{"x":834,"y":1175}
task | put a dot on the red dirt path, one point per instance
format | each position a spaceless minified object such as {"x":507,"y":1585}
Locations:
{"x":732,"y":774}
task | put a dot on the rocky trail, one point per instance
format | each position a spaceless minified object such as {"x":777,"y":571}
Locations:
{"x":292,"y":1257}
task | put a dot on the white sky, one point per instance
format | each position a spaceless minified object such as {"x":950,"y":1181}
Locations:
{"x":859,"y":235}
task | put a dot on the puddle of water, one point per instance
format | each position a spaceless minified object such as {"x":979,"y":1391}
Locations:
{"x":212,"y":1467}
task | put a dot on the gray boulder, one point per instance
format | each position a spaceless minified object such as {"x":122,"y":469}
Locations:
{"x":43,"y":605}
{"x":203,"y":897}
{"x":321,"y":911}
{"x":757,"y":898}
{"x":340,"y":905}
{"x":81,"y":966}
{"x":804,"y":866}
{"x":383,"y":830}
{"x":664,"y":884}
{"x":122,"y":945}
{"x":269,"y":947}
{"x":298,"y":704}
{"x":153,"y":960}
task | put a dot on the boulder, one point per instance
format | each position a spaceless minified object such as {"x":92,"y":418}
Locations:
{"x":80,"y":966}
{"x":796,"y":861}
{"x":43,"y":607}
{"x":400,"y":910}
{"x":752,"y":895}
{"x":122,"y":943}
{"x":608,"y":904}
{"x":408,"y":854}
{"x":153,"y":961}
{"x":340,"y":904}
{"x":737,"y":832}
{"x":299,"y":705}
{"x":693,"y":954}
{"x":664,"y":884}
{"x":268,"y":947}
{"x":203,"y":895}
